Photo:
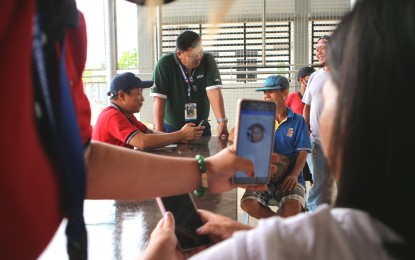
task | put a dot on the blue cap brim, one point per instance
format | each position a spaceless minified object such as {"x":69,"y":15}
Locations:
{"x":268,"y":88}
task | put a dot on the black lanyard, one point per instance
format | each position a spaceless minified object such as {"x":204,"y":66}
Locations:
{"x":189,"y":83}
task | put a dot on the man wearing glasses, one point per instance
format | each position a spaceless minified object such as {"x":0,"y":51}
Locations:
{"x":187,"y":83}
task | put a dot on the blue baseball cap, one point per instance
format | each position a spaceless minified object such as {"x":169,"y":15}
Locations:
{"x":274,"y":82}
{"x":125,"y":81}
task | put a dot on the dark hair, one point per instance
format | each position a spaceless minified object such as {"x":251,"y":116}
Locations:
{"x":371,"y":56}
{"x":186,"y":40}
{"x":324,"y":37}
{"x":251,"y":129}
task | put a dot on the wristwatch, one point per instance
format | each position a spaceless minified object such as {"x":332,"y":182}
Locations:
{"x":222,"y":120}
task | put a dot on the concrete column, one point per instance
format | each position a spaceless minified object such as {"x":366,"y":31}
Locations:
{"x":146,"y":48}
{"x":301,"y":47}
{"x":110,"y":39}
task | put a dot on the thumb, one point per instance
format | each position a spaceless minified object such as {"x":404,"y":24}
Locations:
{"x":246,"y":166}
{"x":169,"y":220}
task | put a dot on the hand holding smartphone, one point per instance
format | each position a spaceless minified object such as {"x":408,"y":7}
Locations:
{"x":187,"y":220}
{"x":254,"y":138}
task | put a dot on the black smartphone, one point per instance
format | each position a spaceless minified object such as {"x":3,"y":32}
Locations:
{"x":187,"y":220}
{"x":254,"y":138}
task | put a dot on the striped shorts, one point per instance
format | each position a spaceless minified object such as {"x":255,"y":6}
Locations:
{"x":275,"y":197}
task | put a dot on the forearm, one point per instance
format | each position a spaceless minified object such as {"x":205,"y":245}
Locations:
{"x":216,"y":101}
{"x":124,"y":174}
{"x":299,"y":163}
{"x":158,"y":113}
{"x":160,"y":139}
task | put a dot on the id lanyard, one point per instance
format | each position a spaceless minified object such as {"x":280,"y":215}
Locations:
{"x":188,"y":82}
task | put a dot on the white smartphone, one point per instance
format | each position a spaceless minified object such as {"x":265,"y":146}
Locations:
{"x":187,"y":220}
{"x":254,"y":138}
{"x":201,"y":122}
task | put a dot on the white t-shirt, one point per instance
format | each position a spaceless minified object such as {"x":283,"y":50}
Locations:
{"x":312,"y":96}
{"x":323,"y":234}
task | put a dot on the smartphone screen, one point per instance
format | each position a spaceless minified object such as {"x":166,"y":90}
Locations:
{"x":255,"y":138}
{"x":187,"y":220}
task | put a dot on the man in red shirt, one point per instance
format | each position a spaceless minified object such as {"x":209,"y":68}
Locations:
{"x":294,"y":98}
{"x":294,"y":101}
{"x":117,"y":124}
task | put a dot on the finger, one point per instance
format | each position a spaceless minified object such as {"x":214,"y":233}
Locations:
{"x":245,"y":165}
{"x":205,"y":215}
{"x":275,"y":158}
{"x":274,"y":168}
{"x":284,"y":185}
{"x":160,"y":224}
{"x":291,"y":185}
{"x":169,"y":220}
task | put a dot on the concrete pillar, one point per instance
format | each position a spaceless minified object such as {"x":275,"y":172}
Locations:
{"x":110,"y":39}
{"x":301,"y":47}
{"x":146,"y":49}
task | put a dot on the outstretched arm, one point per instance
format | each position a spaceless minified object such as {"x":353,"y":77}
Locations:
{"x":124,"y":174}
{"x":159,"y":139}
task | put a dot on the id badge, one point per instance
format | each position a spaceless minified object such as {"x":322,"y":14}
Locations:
{"x":190,"y":111}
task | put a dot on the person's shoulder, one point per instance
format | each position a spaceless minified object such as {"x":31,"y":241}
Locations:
{"x":207,"y":56}
{"x":319,"y":73}
{"x":112,"y":112}
{"x":347,"y":214}
{"x":107,"y":110}
{"x":105,"y":118}
{"x":293,"y":115}
{"x":167,"y":57}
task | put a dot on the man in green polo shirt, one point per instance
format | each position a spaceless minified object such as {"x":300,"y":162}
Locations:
{"x":187,"y":83}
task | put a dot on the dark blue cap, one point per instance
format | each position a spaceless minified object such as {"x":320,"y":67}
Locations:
{"x":275,"y":82}
{"x":305,"y":71}
{"x":125,"y":81}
